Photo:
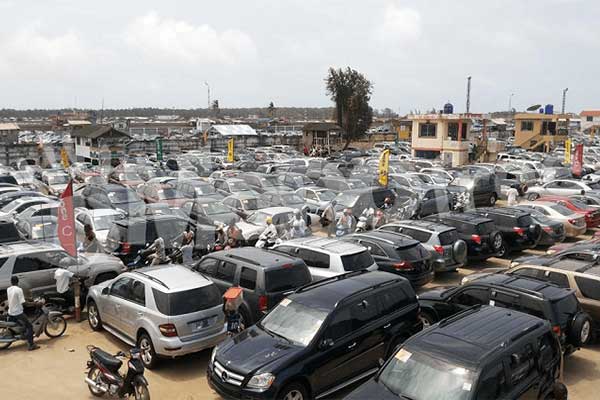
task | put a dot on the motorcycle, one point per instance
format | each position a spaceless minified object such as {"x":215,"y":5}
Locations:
{"x":46,"y":320}
{"x":142,"y":260}
{"x":266,"y":242}
{"x":103,"y":374}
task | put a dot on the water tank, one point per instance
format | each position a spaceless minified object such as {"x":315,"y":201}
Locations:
{"x":549,"y":109}
{"x":448,"y":108}
{"x":541,"y":110}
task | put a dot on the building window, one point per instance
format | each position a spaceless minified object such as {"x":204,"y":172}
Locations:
{"x":427,"y":130}
{"x":453,"y":130}
{"x":526,"y":125}
{"x":589,"y":118}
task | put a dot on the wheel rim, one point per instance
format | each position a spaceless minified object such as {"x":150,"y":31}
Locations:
{"x":426,"y":322}
{"x":139,"y":392}
{"x":294,"y":395}
{"x":93,"y":315}
{"x":4,"y":308}
{"x":492,"y":200}
{"x":498,"y":243}
{"x":146,"y":350}
{"x":96,"y":377}
{"x":55,"y":326}
{"x":585,"y":332}
{"x":5,"y":333}
{"x":501,"y":251}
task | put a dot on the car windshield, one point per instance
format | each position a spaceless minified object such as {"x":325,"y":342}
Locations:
{"x":347,"y":199}
{"x":293,"y":321}
{"x":44,"y":231}
{"x":104,"y":222}
{"x":562,"y":210}
{"x":288,"y":277}
{"x":238,"y":186}
{"x":413,"y":180}
{"x":325,"y":195}
{"x":302,"y":180}
{"x":579,"y":204}
{"x":258,"y":218}
{"x":169,"y":193}
{"x":57,"y":179}
{"x":291,"y":198}
{"x":254,"y":204}
{"x":122,"y":196}
{"x":23,"y":176}
{"x":595,"y":185}
{"x":205,"y":189}
{"x":270,"y":181}
{"x":420,"y":376}
{"x":214,"y":208}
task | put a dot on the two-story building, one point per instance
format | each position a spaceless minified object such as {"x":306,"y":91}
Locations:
{"x":9,"y":132}
{"x":444,"y":136}
{"x":99,"y":144}
{"x":590,"y":121}
{"x":540,"y":132}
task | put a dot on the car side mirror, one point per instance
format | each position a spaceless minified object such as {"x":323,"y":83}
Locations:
{"x":105,"y":291}
{"x":326,"y":344}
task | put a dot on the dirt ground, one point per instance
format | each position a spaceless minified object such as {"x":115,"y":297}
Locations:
{"x":56,"y":371}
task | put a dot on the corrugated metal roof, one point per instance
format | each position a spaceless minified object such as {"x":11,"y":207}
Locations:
{"x":10,"y":126}
{"x":234,"y":130}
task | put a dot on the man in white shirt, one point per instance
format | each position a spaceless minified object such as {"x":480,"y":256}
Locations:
{"x":16,"y":299}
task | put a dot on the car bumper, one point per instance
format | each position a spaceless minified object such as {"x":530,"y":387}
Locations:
{"x":442,"y":265}
{"x":175,"y":347}
{"x":573,"y":230}
{"x":480,"y":252}
{"x":548,"y":239}
{"x":229,"y":391}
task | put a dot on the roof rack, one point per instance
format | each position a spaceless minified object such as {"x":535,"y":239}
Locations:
{"x":152,"y":278}
{"x":332,"y":279}
{"x":240,"y":258}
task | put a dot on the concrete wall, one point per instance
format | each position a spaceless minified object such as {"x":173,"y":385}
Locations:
{"x":10,"y":153}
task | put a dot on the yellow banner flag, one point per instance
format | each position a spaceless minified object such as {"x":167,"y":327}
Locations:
{"x":64,"y":158}
{"x":568,"y":151}
{"x":230,"y":156}
{"x":384,"y":167}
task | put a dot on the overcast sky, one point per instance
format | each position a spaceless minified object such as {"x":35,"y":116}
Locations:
{"x":417,"y":53}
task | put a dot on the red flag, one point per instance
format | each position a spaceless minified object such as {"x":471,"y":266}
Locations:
{"x":66,"y":221}
{"x":577,"y":162}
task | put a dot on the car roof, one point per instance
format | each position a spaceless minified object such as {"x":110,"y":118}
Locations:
{"x":463,"y":217}
{"x":331,"y":245}
{"x":506,"y":211}
{"x":327,"y":293}
{"x":260,"y":258}
{"x":241,"y":196}
{"x":171,"y":278}
{"x":101,"y":212}
{"x":475,"y":335}
{"x":534,"y":287}
{"x":391,"y":238}
{"x":424,"y":225}
{"x":275,"y":210}
{"x":27,"y":246}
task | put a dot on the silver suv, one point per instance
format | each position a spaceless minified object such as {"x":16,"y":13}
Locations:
{"x":166,"y":311}
{"x":34,"y":263}
{"x":326,"y":257}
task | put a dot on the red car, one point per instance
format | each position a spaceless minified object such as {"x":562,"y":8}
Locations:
{"x":591,"y":213}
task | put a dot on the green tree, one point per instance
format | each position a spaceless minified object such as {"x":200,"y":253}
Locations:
{"x":215,"y":107}
{"x":350,"y":91}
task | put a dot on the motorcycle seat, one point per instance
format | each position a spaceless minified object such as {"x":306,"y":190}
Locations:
{"x":108,"y":360}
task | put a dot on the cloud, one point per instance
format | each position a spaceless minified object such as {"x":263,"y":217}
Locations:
{"x":179,"y":41}
{"x":399,"y":24}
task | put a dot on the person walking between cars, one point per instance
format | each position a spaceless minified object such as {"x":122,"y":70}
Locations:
{"x":159,"y":255}
{"x":16,"y":300}
{"x":307,"y":220}
{"x":298,"y":225}
{"x":328,"y":218}
{"x":187,"y":245}
{"x":512,"y":196}
{"x":91,"y":243}
{"x":234,"y":236}
{"x":345,"y":223}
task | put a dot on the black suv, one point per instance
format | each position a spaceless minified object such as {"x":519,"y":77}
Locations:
{"x":485,"y":353}
{"x":542,"y":299}
{"x":110,"y":196}
{"x":519,"y":231}
{"x":398,"y":254}
{"x":480,"y":233}
{"x":266,"y":277}
{"x":128,"y":236}
{"x":325,"y":336}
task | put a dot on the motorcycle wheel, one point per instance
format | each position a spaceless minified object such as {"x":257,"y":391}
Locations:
{"x":95,"y":375}
{"x":141,"y":392}
{"x":55,"y":326}
{"x":5,"y":332}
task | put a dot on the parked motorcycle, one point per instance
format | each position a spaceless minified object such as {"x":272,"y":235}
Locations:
{"x":267,"y":242}
{"x":103,"y":374}
{"x":46,"y":320}
{"x":142,"y":259}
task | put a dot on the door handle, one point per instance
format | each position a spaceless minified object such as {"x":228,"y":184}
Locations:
{"x":353,"y":345}
{"x":387,"y":325}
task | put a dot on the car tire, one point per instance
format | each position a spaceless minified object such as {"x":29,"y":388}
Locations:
{"x":581,"y":330}
{"x":533,"y":196}
{"x":427,"y":319}
{"x":492,"y":200}
{"x":148,"y":355}
{"x":503,"y":251}
{"x":3,"y":307}
{"x":293,"y":391}
{"x":94,"y":316}
{"x":459,"y":251}
{"x":536,"y":232}
{"x":497,"y":241}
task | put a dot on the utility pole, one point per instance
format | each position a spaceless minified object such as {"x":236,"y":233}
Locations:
{"x":208,"y":92}
{"x":564,"y":100}
{"x":468,"y":94}
{"x":510,"y":102}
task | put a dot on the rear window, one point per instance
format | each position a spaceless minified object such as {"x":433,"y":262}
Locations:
{"x":414,"y":252}
{"x":486,"y":228}
{"x":525,"y":220}
{"x":355,"y":262}
{"x":565,"y":308}
{"x":448,"y":237}
{"x":187,"y":301}
{"x":288,"y":277}
{"x":8,"y":233}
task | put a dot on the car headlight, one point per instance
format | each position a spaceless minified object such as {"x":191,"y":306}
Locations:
{"x":261,"y":382}
{"x":212,"y":356}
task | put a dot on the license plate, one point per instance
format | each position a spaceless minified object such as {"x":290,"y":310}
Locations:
{"x":205,"y":323}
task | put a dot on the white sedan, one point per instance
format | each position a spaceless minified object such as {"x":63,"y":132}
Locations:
{"x":100,"y":219}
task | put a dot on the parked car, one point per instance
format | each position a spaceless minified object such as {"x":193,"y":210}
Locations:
{"x":128,"y":179}
{"x":210,"y":211}
{"x":541,"y":299}
{"x":552,"y":231}
{"x":326,"y":257}
{"x":8,"y":230}
{"x":193,"y":188}
{"x":161,"y":193}
{"x":562,"y":187}
{"x":111,"y":196}
{"x":261,"y":182}
{"x":449,"y":252}
{"x":480,"y":233}
{"x":519,"y":231}
{"x":481,"y":185}
{"x":321,"y":338}
{"x":244,"y":204}
{"x":316,"y":198}
{"x":256,"y":223}
{"x":20,"y":204}
{"x":231,"y":186}
{"x":57,"y":181}
{"x":265,"y":276}
{"x":482,"y":353}
{"x":360,"y":199}
{"x":573,"y":222}
{"x":398,"y":254}
{"x":100,"y":220}
{"x":165,"y":311}
{"x":591,"y":214}
{"x":295,"y":180}
{"x":340,"y":184}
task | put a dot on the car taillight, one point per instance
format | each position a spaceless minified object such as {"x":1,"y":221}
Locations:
{"x":519,"y":231}
{"x":168,"y":330}
{"x":439,"y":249}
{"x":476,"y":239}
{"x":556,"y":329}
{"x":548,"y":229}
{"x":125,"y":247}
{"x":263,"y":303}
{"x":572,"y":221}
{"x":403,"y":266}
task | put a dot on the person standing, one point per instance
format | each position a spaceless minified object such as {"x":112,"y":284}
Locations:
{"x":16,"y":300}
{"x":328,"y":218}
{"x":91,"y":243}
{"x":187,"y":245}
{"x":512,"y":196}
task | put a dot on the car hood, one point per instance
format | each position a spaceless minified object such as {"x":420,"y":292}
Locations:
{"x":253,"y":350}
{"x":371,"y":390}
{"x":249,"y":228}
{"x":226,"y":218}
{"x":434,"y":294}
{"x":531,"y":259}
{"x":97,"y":262}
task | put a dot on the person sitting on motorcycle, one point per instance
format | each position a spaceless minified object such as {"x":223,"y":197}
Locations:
{"x":345,"y":223}
{"x":16,"y":300}
{"x":307,"y":219}
{"x":387,"y":203}
{"x":269,"y":235}
{"x":233,"y":235}
{"x":159,"y":255}
{"x":187,"y":245}
{"x":298,"y":225}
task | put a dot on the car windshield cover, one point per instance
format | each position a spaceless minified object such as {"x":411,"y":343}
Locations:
{"x":168,"y":194}
{"x":58,"y":179}
{"x":358,"y":261}
{"x":187,"y":301}
{"x":104,"y":222}
{"x":214,"y":208}
{"x":288,"y":277}
{"x":420,"y":376}
{"x":293,"y":321}
{"x":122,"y":196}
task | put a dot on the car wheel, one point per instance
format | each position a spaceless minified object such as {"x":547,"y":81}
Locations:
{"x":148,"y":355}
{"x":94,"y":316}
{"x":427,"y":319}
{"x":581,"y":330}
{"x":294,"y":391}
{"x":502,"y":252}
{"x":459,"y":251}
{"x":3,"y":308}
{"x":533,"y":196}
{"x":493,"y":199}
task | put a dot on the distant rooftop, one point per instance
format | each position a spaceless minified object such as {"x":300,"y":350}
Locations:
{"x":9,"y":127}
{"x":233,"y":130}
